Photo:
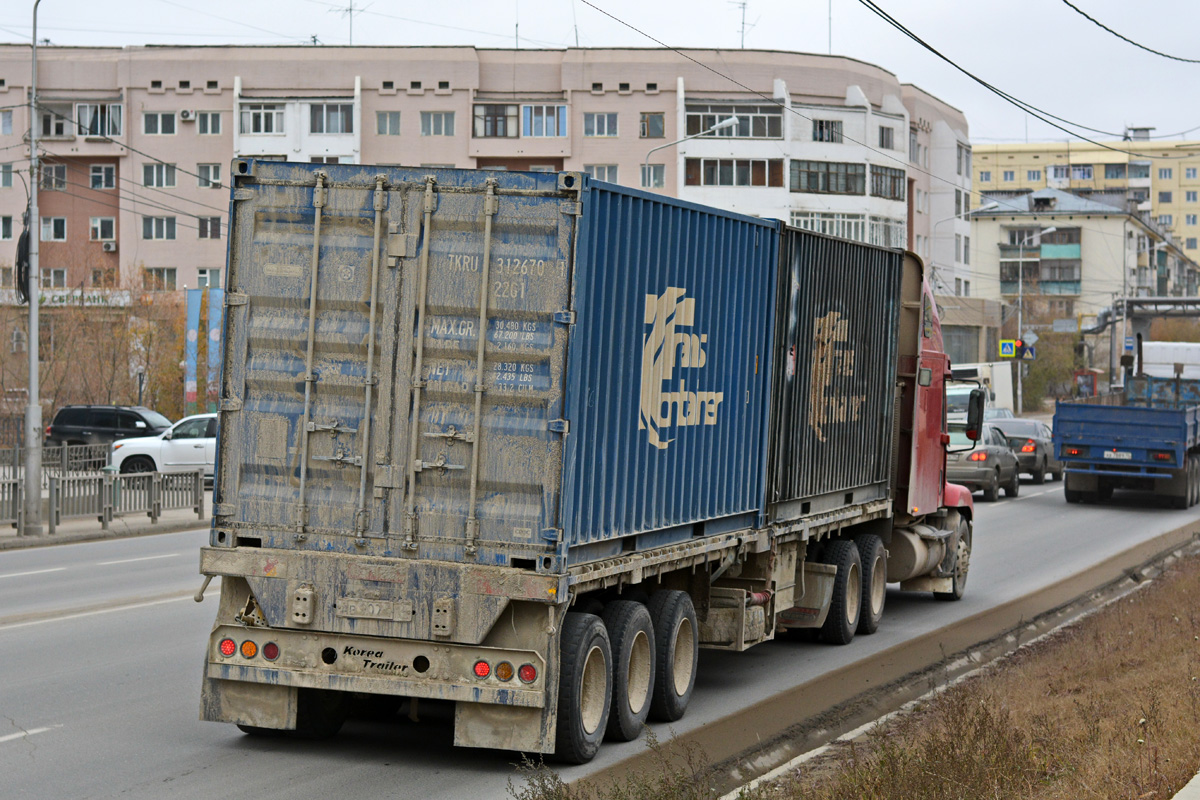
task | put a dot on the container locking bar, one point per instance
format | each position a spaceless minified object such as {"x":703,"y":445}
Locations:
{"x":362,"y":517}
{"x":491,"y":204}
{"x":410,"y":517}
{"x":318,"y":206}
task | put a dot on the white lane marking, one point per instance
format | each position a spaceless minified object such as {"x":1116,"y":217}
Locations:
{"x":22,"y":734}
{"x":131,"y":560}
{"x":33,"y":572}
{"x":78,"y":615}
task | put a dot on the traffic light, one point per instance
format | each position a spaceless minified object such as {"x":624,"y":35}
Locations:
{"x":1018,"y":349}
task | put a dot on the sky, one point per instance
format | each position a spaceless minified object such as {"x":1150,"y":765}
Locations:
{"x":1040,"y":51}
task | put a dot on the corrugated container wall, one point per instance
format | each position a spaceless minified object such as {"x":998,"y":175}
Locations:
{"x":835,"y":366}
{"x":668,"y":368}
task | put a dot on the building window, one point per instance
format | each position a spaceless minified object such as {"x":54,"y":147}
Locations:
{"x":1164,"y":197}
{"x":6,"y":176}
{"x":966,"y":249}
{"x":1010,"y":175}
{"x":600,"y":124}
{"x":963,"y":160}
{"x":827,"y":130}
{"x":887,"y":138}
{"x":104,"y":277}
{"x":1061,"y":236}
{"x":54,"y":229}
{"x":99,"y":119}
{"x":1059,"y":172}
{"x":651,"y":125}
{"x":1033,"y":175}
{"x":160,"y":175}
{"x":331,"y":118}
{"x":1189,"y":197}
{"x":1165,"y":173}
{"x":886,"y":232}
{"x":158,"y":279}
{"x":914,"y":147}
{"x":847,"y":226}
{"x":985,"y":176}
{"x":325,"y":160}
{"x":957,"y":202}
{"x":54,"y":278}
{"x":958,"y":286}
{"x":387,"y":123}
{"x":966,"y":289}
{"x":888,"y":182}
{"x":208,"y":278}
{"x":1189,"y":219}
{"x":653,"y":176}
{"x":6,"y":228}
{"x":753,"y":122}
{"x":1189,"y":173}
{"x":209,"y":227}
{"x":208,"y":123}
{"x":5,"y":123}
{"x":544,"y":121}
{"x":262,"y":118}
{"x":437,"y":123}
{"x":1059,"y":269}
{"x":495,"y":121}
{"x":54,"y":125}
{"x":1191,"y":243}
{"x":158,"y":227}
{"x":1114,"y":172}
{"x":1165,"y":220}
{"x":103,"y":176}
{"x":54,"y":177}
{"x":829,"y":177}
{"x":733,"y":172}
{"x":958,"y":247}
{"x":602,"y":172}
{"x":103,"y":229}
{"x":1081,"y":172}
{"x":209,"y":176}
{"x":159,"y":123}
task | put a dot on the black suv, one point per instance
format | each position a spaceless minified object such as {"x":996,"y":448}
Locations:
{"x":103,"y":424}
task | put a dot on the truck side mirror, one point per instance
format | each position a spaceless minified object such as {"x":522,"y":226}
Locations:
{"x":975,"y":414}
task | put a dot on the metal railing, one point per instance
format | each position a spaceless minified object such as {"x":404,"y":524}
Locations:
{"x":57,"y":460}
{"x":107,"y":495}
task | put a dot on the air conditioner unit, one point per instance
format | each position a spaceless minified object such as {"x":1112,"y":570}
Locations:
{"x":109,"y":247}
{"x":187,"y":116}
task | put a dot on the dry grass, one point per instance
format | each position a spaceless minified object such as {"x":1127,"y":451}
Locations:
{"x":1109,"y":708}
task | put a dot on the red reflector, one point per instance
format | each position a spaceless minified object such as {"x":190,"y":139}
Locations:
{"x":527,"y":673}
{"x":482,"y":669}
{"x":1028,"y":447}
{"x":978,"y":455}
{"x":228,"y":647}
{"x":270,"y":651}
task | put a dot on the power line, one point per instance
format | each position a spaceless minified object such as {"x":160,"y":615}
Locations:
{"x":1123,"y":38}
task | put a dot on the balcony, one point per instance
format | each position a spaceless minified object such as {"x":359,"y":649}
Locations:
{"x":1041,"y":287}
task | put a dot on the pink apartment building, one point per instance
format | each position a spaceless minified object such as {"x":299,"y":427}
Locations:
{"x":137,"y":141}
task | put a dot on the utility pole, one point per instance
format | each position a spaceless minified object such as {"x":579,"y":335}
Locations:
{"x":33,"y":412}
{"x":1021,"y":305}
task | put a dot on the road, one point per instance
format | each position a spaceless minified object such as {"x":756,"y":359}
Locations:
{"x":102,"y":654}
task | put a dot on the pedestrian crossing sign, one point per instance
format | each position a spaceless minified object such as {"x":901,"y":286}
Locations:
{"x":1008,"y":348}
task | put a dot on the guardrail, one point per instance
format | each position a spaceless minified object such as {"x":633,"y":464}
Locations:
{"x":57,"y":460}
{"x":107,"y":495}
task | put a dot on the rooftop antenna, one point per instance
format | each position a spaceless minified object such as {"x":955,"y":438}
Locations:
{"x":516,"y":24}
{"x":315,"y":40}
{"x":742,"y":5}
{"x":349,"y":12}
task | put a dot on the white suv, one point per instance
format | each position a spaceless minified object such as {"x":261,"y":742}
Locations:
{"x":187,"y":446}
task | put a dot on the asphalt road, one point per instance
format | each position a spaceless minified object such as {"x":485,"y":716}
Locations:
{"x":101,"y":652}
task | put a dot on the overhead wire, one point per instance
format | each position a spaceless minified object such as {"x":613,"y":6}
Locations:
{"x":1124,"y":38}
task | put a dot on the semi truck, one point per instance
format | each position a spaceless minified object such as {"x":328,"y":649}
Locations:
{"x":525,"y":442}
{"x":1145,"y":438}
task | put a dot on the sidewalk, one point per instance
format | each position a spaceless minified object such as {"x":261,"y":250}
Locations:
{"x":1191,"y":791}
{"x":86,"y":529}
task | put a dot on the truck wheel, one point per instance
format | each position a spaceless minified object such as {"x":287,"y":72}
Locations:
{"x":846,"y":605}
{"x":1056,"y":476}
{"x":1104,"y":493}
{"x":873,"y":556}
{"x":320,"y":714}
{"x":991,"y":492}
{"x":1193,"y":480}
{"x":962,"y":564}
{"x":1073,"y":496}
{"x":676,"y":653}
{"x":1013,"y":487}
{"x":631,"y":633}
{"x":584,"y":687}
{"x":1039,"y":474}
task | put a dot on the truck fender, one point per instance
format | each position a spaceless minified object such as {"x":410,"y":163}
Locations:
{"x":960,"y":497}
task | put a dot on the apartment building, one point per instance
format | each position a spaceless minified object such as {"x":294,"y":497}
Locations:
{"x":137,"y":141}
{"x":1158,"y":177}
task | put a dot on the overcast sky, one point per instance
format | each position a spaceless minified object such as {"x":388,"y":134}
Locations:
{"x":1040,"y":51}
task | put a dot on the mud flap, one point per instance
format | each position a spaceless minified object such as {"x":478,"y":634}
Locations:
{"x":504,"y":727}
{"x":263,"y":705}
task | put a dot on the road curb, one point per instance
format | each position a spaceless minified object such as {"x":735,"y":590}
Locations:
{"x":74,"y":537}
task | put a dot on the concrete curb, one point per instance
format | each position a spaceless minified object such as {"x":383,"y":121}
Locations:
{"x":1191,"y":791}
{"x":115,"y":531}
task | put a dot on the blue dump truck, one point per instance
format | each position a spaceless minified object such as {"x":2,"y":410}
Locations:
{"x":525,"y":442}
{"x":1145,"y":438}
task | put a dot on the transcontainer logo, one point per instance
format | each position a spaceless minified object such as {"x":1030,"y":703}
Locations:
{"x":666,"y":402}
{"x":832,"y":364}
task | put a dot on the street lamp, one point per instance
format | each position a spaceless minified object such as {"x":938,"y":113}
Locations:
{"x":967,"y":213}
{"x":1021,"y":305}
{"x":33,"y":412}
{"x":720,"y":126}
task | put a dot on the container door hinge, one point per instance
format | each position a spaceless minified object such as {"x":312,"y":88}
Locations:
{"x":400,"y":245}
{"x":224,"y":509}
{"x":243,"y":194}
{"x":236,"y":299}
{"x":552,"y":534}
{"x":231,"y":404}
{"x":571,"y":208}
{"x":560,"y":426}
{"x":564,"y":317}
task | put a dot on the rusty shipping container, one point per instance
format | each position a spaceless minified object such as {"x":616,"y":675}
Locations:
{"x":833,"y":401}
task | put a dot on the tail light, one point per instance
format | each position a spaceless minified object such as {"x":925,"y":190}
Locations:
{"x":48,"y":427}
{"x":1163,"y":456}
{"x":249,"y":649}
{"x":1029,"y":446}
{"x":527,"y":673}
{"x":482,"y":669}
{"x":1075,"y":451}
{"x":227,"y":647}
{"x":270,"y":651}
{"x":504,"y":671}
{"x":978,"y":455}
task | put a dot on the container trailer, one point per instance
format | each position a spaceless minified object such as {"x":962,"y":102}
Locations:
{"x":527,"y":441}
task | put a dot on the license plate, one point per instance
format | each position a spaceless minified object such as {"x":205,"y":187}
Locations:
{"x":1119,"y":455}
{"x":952,"y":457}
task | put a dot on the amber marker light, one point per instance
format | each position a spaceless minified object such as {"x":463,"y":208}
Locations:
{"x":249,"y":649}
